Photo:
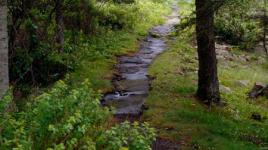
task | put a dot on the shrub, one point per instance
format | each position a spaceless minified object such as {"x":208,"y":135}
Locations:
{"x":63,"y":117}
{"x":138,"y":15}
{"x":68,"y":118}
{"x":136,"y":137}
{"x":235,"y":26}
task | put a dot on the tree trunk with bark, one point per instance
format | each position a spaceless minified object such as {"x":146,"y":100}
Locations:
{"x":60,"y":25}
{"x":265,"y":27}
{"x":208,"y":83}
{"x":4,"y":77}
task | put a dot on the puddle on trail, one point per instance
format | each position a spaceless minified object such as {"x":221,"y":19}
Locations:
{"x":133,"y":84}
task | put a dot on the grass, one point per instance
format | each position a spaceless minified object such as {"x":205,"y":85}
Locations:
{"x":186,"y":7}
{"x":99,"y":68}
{"x":178,"y":116}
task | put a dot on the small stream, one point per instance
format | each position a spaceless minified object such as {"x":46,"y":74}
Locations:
{"x":133,"y":84}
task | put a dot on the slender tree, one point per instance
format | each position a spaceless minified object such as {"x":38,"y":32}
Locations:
{"x":60,"y":25}
{"x":208,"y":83}
{"x":4,"y":79}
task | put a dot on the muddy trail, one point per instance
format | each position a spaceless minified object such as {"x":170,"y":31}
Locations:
{"x":132,"y":85}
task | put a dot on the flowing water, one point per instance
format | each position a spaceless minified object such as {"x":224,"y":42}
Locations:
{"x":133,"y":84}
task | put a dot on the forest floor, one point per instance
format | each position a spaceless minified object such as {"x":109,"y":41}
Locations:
{"x":180,"y":117}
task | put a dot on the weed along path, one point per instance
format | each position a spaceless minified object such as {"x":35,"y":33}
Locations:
{"x":133,"y":83}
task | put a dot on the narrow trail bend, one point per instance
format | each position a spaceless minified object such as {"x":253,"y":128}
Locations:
{"x":133,"y":84}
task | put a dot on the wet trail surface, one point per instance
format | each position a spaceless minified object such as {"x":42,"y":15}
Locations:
{"x":132,"y":85}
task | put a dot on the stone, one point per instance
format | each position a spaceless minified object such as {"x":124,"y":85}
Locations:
{"x":169,"y":128}
{"x":224,"y":89}
{"x":220,"y":58}
{"x":241,"y":58}
{"x":134,"y":60}
{"x":155,"y":35}
{"x":242,"y":83}
{"x":256,"y":91}
{"x":150,"y":77}
{"x":145,"y":107}
{"x":230,"y":59}
{"x":256,"y":116}
{"x":261,"y":60}
{"x":265,"y":91}
{"x":247,"y":58}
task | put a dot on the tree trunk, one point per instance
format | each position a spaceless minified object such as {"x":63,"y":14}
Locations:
{"x":264,"y":27}
{"x":60,"y":25}
{"x":4,"y":79}
{"x":208,"y":83}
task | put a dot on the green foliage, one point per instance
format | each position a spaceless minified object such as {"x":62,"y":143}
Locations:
{"x":238,"y":32}
{"x":63,"y":117}
{"x":31,"y":34}
{"x":32,"y":29}
{"x":5,"y":102}
{"x":133,"y":136}
{"x":236,"y":26}
{"x":233,"y":24}
{"x":68,"y":118}
{"x":138,"y":16}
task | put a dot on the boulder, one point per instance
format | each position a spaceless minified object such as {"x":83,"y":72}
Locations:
{"x":265,"y":91}
{"x":256,"y":116}
{"x":242,"y":83}
{"x":257,"y":90}
{"x":155,"y":35}
{"x":145,"y":107}
{"x":224,"y":89}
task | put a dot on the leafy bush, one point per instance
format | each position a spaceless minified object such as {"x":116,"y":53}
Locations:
{"x":138,"y":15}
{"x":6,"y":101}
{"x":63,"y":117}
{"x":235,"y":26}
{"x":67,"y":118}
{"x":135,"y":137}
{"x":238,"y":32}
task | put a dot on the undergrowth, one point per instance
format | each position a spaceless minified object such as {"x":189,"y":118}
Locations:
{"x":68,"y":118}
